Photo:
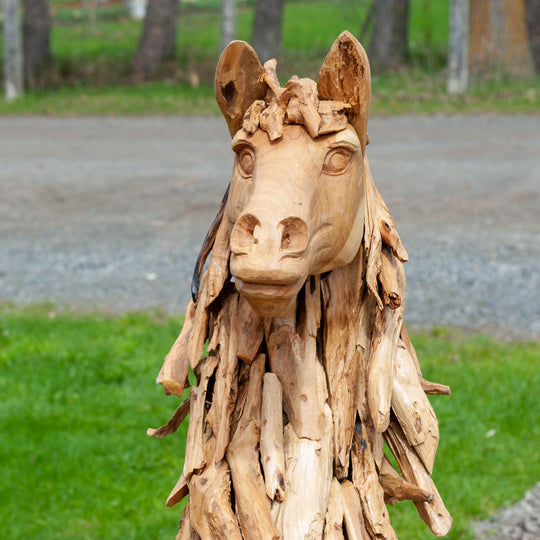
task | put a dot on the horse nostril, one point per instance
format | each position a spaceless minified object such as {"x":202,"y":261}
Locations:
{"x":242,"y":236}
{"x":294,"y":235}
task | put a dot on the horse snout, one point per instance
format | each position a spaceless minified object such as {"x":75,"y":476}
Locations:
{"x":287,"y":238}
{"x":243,"y":234}
{"x":294,"y":236}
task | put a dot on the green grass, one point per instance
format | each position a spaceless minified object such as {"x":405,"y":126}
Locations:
{"x":142,"y":99}
{"x":411,"y":91}
{"x":92,"y":70}
{"x":78,"y":393}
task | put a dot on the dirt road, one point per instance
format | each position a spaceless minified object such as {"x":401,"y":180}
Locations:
{"x":109,"y":213}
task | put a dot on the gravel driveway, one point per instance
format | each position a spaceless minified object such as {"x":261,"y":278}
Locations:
{"x":109,"y":213}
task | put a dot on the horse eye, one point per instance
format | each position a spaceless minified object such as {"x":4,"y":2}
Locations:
{"x":246,"y":161}
{"x":337,"y":161}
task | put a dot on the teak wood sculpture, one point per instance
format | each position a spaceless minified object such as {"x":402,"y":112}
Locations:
{"x":309,"y":370}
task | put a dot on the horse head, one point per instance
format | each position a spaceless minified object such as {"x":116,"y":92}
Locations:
{"x":296,"y":202}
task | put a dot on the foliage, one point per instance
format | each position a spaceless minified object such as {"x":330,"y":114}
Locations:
{"x":78,"y":393}
{"x":92,"y":70}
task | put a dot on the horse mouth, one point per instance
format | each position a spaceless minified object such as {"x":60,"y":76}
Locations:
{"x":269,"y":299}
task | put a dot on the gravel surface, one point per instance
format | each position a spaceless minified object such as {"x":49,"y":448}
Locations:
{"x":109,"y":213}
{"x":518,"y":522}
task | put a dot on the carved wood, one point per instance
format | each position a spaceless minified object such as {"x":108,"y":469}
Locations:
{"x":272,"y":452}
{"x":333,"y":523}
{"x":309,"y":368}
{"x":365,"y":479}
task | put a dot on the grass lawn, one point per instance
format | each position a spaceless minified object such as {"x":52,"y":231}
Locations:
{"x":92,"y":70}
{"x":78,"y":393}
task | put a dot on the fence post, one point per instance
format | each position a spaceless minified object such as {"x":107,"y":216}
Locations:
{"x":13,"y":54}
{"x":458,"y":65}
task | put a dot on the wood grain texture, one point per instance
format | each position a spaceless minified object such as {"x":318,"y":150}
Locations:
{"x":272,"y":451}
{"x":252,"y":504}
{"x":309,"y":368}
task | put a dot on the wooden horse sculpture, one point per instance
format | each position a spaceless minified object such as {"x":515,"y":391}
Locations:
{"x":309,"y":370}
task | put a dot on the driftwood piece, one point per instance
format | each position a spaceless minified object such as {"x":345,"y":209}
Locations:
{"x":271,"y":78}
{"x":272,"y":118}
{"x":226,"y":386}
{"x":413,"y":409}
{"x":301,"y":514}
{"x":393,"y":288}
{"x":173,"y":424}
{"x":185,"y":531}
{"x":434,"y":513}
{"x":435,"y":388}
{"x":333,"y":116}
{"x":174,"y":372}
{"x":195,"y":454}
{"x":381,"y":365}
{"x":252,"y":504}
{"x":249,"y":331}
{"x":384,"y":341}
{"x":306,"y":103}
{"x":252,"y":117}
{"x":199,"y":333}
{"x":218,"y":266}
{"x":207,"y":245}
{"x":333,"y":523}
{"x":210,"y":504}
{"x":404,"y":335}
{"x":396,"y":488}
{"x":179,"y":491}
{"x":365,"y":479}
{"x":298,"y":377}
{"x":382,"y":218}
{"x":342,"y":356}
{"x":272,"y":452}
{"x":352,"y":512}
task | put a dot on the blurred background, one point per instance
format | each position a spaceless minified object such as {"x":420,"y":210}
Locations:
{"x":113,"y":161}
{"x":102,"y":55}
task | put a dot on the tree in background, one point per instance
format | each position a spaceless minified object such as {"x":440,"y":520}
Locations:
{"x":388,"y":47}
{"x":36,"y":39}
{"x":533,"y":30}
{"x":228,"y":22}
{"x":158,"y":39}
{"x":267,"y":26}
{"x":13,"y":55}
{"x":498,"y":41}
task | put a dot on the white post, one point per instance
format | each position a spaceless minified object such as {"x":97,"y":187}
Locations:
{"x":13,"y":54}
{"x":228,"y":22}
{"x":458,"y":47}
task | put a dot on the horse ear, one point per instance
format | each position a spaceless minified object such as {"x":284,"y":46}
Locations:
{"x":238,"y":82}
{"x":345,"y":76}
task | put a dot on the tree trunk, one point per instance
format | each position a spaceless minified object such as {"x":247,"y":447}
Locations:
{"x":13,"y":58}
{"x":267,"y":25}
{"x":158,"y":39}
{"x":498,"y":39}
{"x":389,"y":38}
{"x":458,"y":69}
{"x":228,"y":22}
{"x":36,"y":32}
{"x":532,"y":8}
